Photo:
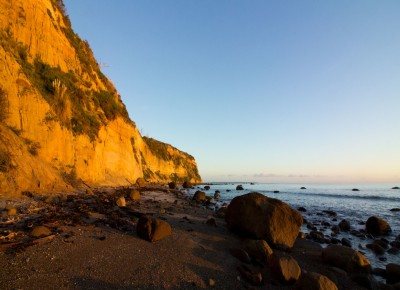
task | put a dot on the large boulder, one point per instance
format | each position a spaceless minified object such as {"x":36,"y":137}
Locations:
{"x":152,"y":229}
{"x":315,"y":281}
{"x":256,"y":216}
{"x":284,"y":267}
{"x":346,"y":258}
{"x":393,"y":273}
{"x":377,"y":226}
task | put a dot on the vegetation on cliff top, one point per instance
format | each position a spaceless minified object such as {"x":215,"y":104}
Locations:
{"x":82,"y":107}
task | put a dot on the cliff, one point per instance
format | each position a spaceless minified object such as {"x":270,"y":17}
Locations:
{"x":62,"y":122}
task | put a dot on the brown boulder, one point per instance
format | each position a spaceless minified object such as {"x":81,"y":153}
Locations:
{"x":346,"y":258}
{"x":377,"y":226}
{"x":315,"y":281}
{"x":134,"y":194}
{"x":259,"y":250}
{"x":284,"y":267}
{"x":199,"y":196}
{"x":344,"y":225}
{"x":256,"y":216}
{"x":152,"y":229}
{"x":172,"y":185}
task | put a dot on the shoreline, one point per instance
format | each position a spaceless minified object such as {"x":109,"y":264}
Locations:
{"x":95,"y":246}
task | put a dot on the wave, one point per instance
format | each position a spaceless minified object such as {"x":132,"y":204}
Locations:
{"x":343,"y":196}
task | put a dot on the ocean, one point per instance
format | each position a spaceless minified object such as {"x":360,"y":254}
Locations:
{"x":354,"y":206}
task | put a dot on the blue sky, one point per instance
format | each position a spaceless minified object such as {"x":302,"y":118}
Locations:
{"x":264,"y":91}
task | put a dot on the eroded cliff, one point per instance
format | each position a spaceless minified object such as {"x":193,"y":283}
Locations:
{"x":62,"y":121}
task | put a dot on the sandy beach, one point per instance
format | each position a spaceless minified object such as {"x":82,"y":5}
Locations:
{"x":97,"y":246}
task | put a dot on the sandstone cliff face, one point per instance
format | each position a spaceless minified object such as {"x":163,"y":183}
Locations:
{"x":63,"y":121}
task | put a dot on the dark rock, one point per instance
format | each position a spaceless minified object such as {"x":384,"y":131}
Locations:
{"x":240,"y":254}
{"x":395,"y":209}
{"x":276,"y":191}
{"x":284,"y":267}
{"x":259,"y":250}
{"x":377,"y":226}
{"x":396,"y":187}
{"x":379,"y":272}
{"x":346,"y":258}
{"x":152,"y":229}
{"x":344,"y":225}
{"x":239,"y":187}
{"x":355,"y":189}
{"x":187,"y":184}
{"x":335,"y":229}
{"x":393,"y":273}
{"x":377,"y":249}
{"x":302,"y":209}
{"x":335,"y":241}
{"x":311,"y":226}
{"x":383,"y":243}
{"x":393,"y":251}
{"x":317,"y":236}
{"x":253,"y":277}
{"x":207,"y":187}
{"x":217,"y":195}
{"x":346,"y":242}
{"x":257,"y":216}
{"x":303,"y":187}
{"x":326,"y":224}
{"x":330,"y":213}
{"x":172,"y":185}
{"x":315,"y":281}
{"x":366,"y":280}
{"x":199,"y":196}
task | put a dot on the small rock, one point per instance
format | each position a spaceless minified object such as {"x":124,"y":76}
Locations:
{"x":393,"y":251}
{"x":285,"y":267}
{"x":172,"y":185}
{"x":134,"y":195}
{"x":187,"y":184}
{"x":393,"y":273}
{"x":355,"y":189}
{"x":276,"y":191}
{"x":217,"y":195}
{"x":396,"y":187}
{"x":344,"y":225}
{"x":330,"y":213}
{"x":254,"y":278}
{"x":239,"y":187}
{"x":220,"y":213}
{"x":40,"y":231}
{"x":207,"y":187}
{"x":303,"y":187}
{"x":377,"y":226}
{"x":259,"y":250}
{"x":199,"y":196}
{"x":211,"y":282}
{"x":11,"y":211}
{"x":315,"y":281}
{"x":302,"y":209}
{"x":364,"y":279}
{"x":88,"y":191}
{"x":395,"y":209}
{"x":152,"y":229}
{"x":121,"y":201}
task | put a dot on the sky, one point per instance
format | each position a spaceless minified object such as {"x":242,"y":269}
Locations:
{"x":261,"y":90}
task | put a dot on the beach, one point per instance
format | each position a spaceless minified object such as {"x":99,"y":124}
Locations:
{"x":95,"y":246}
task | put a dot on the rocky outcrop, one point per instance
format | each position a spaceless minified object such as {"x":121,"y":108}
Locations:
{"x":64,"y":122}
{"x":316,"y":281}
{"x":256,"y":216}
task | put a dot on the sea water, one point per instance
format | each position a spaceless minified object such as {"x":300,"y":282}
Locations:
{"x":354,"y":206}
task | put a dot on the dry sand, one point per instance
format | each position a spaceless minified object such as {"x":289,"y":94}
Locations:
{"x":92,"y":254}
